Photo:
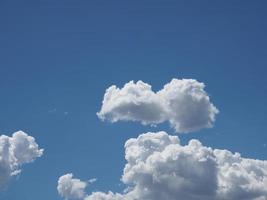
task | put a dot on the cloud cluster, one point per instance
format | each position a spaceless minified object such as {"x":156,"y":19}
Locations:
{"x":14,"y":152}
{"x":159,"y":167}
{"x":183,"y":103}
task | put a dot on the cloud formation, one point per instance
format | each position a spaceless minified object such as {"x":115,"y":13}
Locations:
{"x":183,"y":103}
{"x":71,"y":188}
{"x":159,"y":167}
{"x":14,"y":152}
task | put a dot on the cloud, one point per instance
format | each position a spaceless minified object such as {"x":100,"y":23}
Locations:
{"x":159,"y":167}
{"x":183,"y":103}
{"x":72,"y":188}
{"x":16,"y":151}
{"x":92,"y":180}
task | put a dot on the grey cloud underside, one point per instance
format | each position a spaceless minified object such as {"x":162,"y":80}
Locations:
{"x":158,"y":167}
{"x":16,"y":151}
{"x":183,"y":103}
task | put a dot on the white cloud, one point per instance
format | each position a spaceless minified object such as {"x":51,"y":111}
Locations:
{"x":183,"y":103}
{"x":159,"y":167}
{"x":72,"y":188}
{"x":14,"y":152}
{"x":106,"y":196}
{"x":92,"y":180}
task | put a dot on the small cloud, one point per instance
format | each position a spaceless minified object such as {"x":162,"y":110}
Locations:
{"x":52,"y":110}
{"x":92,"y":180}
{"x":182,"y":102}
{"x":71,"y":188}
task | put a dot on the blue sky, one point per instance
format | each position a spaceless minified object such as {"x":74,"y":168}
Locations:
{"x":58,"y":57}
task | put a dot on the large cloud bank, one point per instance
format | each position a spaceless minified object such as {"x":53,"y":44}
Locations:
{"x":14,"y":152}
{"x":159,"y":167}
{"x":183,"y":103}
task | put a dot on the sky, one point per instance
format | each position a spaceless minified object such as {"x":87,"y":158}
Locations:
{"x":59,"y":57}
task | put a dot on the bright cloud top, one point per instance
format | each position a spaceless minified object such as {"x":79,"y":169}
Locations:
{"x":159,"y":167}
{"x":14,"y":152}
{"x":183,"y":103}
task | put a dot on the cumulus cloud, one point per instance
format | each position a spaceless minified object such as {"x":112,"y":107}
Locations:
{"x":183,"y":103}
{"x":158,"y":167}
{"x":15,"y":151}
{"x":72,"y":188}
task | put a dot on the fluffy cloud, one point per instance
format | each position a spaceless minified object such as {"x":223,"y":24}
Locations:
{"x":71,"y":188}
{"x":14,"y":152}
{"x":159,"y":167}
{"x":183,"y":103}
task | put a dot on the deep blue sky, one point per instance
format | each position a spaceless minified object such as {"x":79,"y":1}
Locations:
{"x":60,"y":56}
